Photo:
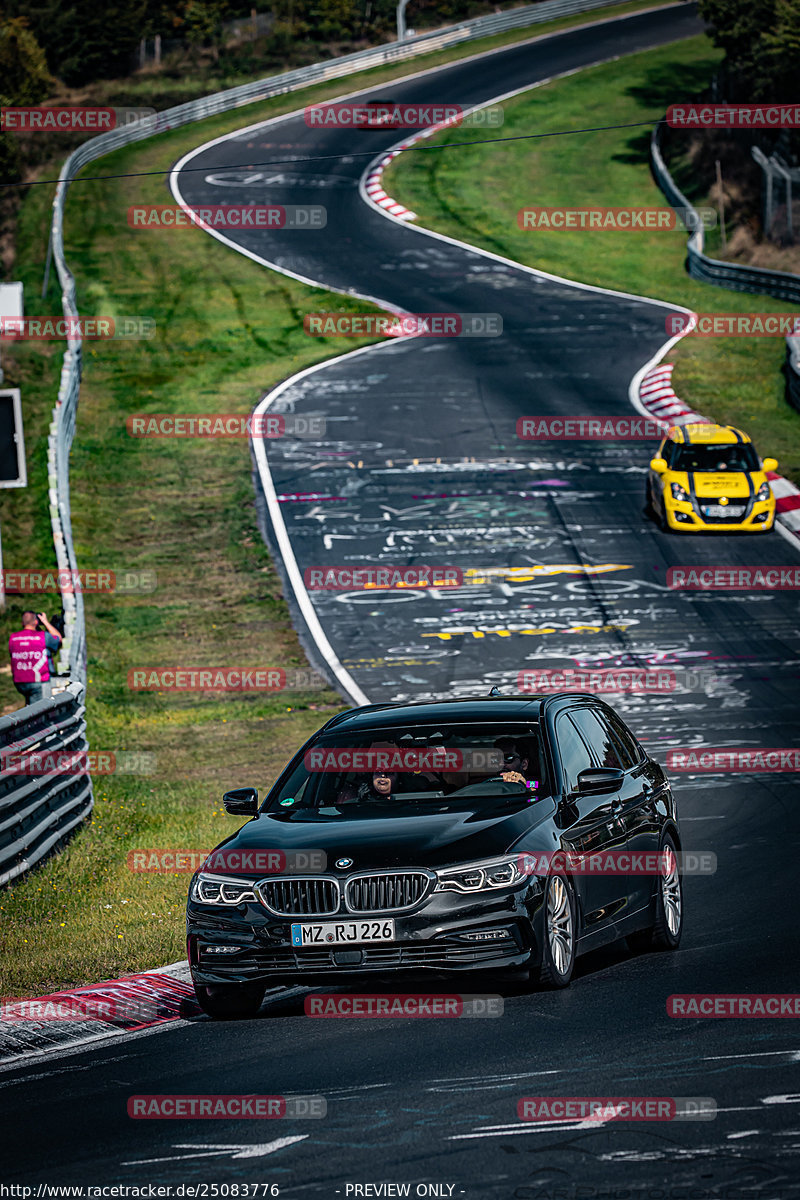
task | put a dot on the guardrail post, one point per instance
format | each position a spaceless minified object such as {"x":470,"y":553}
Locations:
{"x":48,"y":259}
{"x":788,"y":181}
{"x":401,"y":20}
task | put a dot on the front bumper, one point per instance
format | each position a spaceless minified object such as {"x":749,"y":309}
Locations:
{"x":685,"y":517}
{"x":432,"y":941}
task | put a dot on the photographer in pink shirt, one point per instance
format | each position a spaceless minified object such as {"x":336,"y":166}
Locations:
{"x":29,"y":649}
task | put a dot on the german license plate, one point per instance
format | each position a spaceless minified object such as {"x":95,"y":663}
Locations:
{"x":722,"y":510}
{"x":341,"y":933}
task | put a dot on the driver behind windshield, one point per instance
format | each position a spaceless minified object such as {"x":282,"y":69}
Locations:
{"x":381,"y":785}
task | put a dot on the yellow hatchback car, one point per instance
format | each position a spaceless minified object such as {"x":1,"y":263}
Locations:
{"x":709,"y":478}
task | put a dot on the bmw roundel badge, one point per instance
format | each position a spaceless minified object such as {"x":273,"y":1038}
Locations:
{"x":344,"y":863}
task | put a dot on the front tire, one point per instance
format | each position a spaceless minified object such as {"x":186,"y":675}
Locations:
{"x":665,"y":933}
{"x":230,"y":1001}
{"x":649,"y":508}
{"x":661,"y":517}
{"x":558,"y":950}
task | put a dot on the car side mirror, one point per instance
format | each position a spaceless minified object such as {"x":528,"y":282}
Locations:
{"x":659,"y":465}
{"x":242,"y":802}
{"x":595,"y":781}
{"x":769,"y":464}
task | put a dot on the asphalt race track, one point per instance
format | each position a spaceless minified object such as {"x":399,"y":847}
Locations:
{"x":423,"y":464}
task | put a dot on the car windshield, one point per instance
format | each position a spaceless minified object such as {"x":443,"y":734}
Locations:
{"x":708,"y":457}
{"x":383,"y":770}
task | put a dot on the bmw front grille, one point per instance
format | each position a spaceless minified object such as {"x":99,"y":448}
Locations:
{"x":377,"y":892}
{"x":300,"y":897}
{"x":386,"y":892}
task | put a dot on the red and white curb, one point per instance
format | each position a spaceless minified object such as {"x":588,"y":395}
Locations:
{"x":374,"y":189}
{"x":66,"y":1020}
{"x":787,"y":504}
{"x":373,"y":185}
{"x":77,"y":1016}
{"x":657,"y":396}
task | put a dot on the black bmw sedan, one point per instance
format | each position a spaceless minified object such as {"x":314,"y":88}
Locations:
{"x":497,"y":835}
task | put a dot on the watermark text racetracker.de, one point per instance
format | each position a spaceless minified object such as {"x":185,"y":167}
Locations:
{"x":411,"y":760}
{"x":59,"y":328}
{"x":225,"y":1107}
{"x":34,"y":581}
{"x":162,"y":860}
{"x":432,"y":325}
{"x":653,"y":863}
{"x":734,"y":1004}
{"x":733,"y":579}
{"x":300,"y":217}
{"x":423,"y":1005}
{"x":174,"y":678}
{"x":627,"y":220}
{"x":37,"y":118}
{"x":351,"y":579}
{"x":588,"y":429}
{"x":603,"y":1109}
{"x":80,"y":1007}
{"x":752,"y":324}
{"x":388,"y":114}
{"x":692,"y":115}
{"x":609,"y":680}
{"x":77,"y":762}
{"x":226,"y":425}
{"x":734,"y":759}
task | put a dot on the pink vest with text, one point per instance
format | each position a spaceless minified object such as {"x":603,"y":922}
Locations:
{"x":28,"y":657}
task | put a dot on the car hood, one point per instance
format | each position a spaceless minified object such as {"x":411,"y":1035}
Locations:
{"x":711,"y":485}
{"x":412,"y":838}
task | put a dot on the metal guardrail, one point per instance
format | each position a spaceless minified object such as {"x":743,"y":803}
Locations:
{"x":737,"y":276}
{"x":38,"y":811}
{"x":72,"y":652}
{"x":793,"y":371}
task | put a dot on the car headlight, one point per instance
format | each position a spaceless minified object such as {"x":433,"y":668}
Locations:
{"x":217,"y":889}
{"x":487,"y":875}
{"x":679,"y":493}
{"x":763,"y":493}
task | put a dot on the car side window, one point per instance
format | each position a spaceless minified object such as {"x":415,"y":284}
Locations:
{"x":598,"y":736}
{"x":668,"y":453}
{"x":597,"y":730}
{"x":630,"y":751}
{"x":572,"y":751}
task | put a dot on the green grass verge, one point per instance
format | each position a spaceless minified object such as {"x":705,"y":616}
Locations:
{"x":226,"y":330}
{"x":474,"y":193}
